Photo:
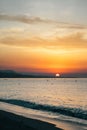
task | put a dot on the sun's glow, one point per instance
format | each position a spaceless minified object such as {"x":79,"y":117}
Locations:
{"x":57,"y":75}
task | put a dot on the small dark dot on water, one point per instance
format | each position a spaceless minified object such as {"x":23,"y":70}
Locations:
{"x":75,"y":80}
{"x":5,"y":79}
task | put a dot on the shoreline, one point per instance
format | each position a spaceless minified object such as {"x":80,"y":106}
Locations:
{"x":10,"y":121}
{"x":18,"y":118}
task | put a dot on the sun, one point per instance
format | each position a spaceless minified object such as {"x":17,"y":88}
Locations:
{"x":57,"y":75}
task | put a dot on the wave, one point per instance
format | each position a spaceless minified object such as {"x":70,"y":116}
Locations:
{"x":74,"y":112}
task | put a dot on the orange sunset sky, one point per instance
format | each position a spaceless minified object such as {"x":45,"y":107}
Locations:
{"x":43,"y":35}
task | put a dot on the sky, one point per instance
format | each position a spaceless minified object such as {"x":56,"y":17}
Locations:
{"x":47,"y":36}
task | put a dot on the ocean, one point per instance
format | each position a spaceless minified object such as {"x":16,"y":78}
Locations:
{"x":55,"y":98}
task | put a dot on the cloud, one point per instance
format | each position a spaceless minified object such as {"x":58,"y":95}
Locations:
{"x":73,"y":41}
{"x":11,"y":30}
{"x":35,"y":20}
{"x":71,"y":26}
{"x":23,"y":18}
{"x":63,"y":35}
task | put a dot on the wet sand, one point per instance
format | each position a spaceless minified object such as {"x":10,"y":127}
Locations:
{"x":10,"y":121}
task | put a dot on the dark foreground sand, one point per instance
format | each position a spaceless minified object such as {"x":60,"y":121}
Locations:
{"x":10,"y":121}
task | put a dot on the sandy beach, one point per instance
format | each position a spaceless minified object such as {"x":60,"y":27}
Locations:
{"x":10,"y":121}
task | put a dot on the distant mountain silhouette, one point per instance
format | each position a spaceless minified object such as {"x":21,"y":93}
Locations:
{"x":14,"y":74}
{"x":9,"y":74}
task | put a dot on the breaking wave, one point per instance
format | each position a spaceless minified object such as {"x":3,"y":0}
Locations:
{"x":74,"y":112}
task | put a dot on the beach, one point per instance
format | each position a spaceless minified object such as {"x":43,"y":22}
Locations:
{"x":10,"y":121}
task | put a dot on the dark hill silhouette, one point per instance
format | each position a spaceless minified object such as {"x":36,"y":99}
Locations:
{"x":9,"y":74}
{"x":14,"y":74}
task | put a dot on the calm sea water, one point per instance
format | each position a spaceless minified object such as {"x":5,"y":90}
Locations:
{"x":66,"y":96}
